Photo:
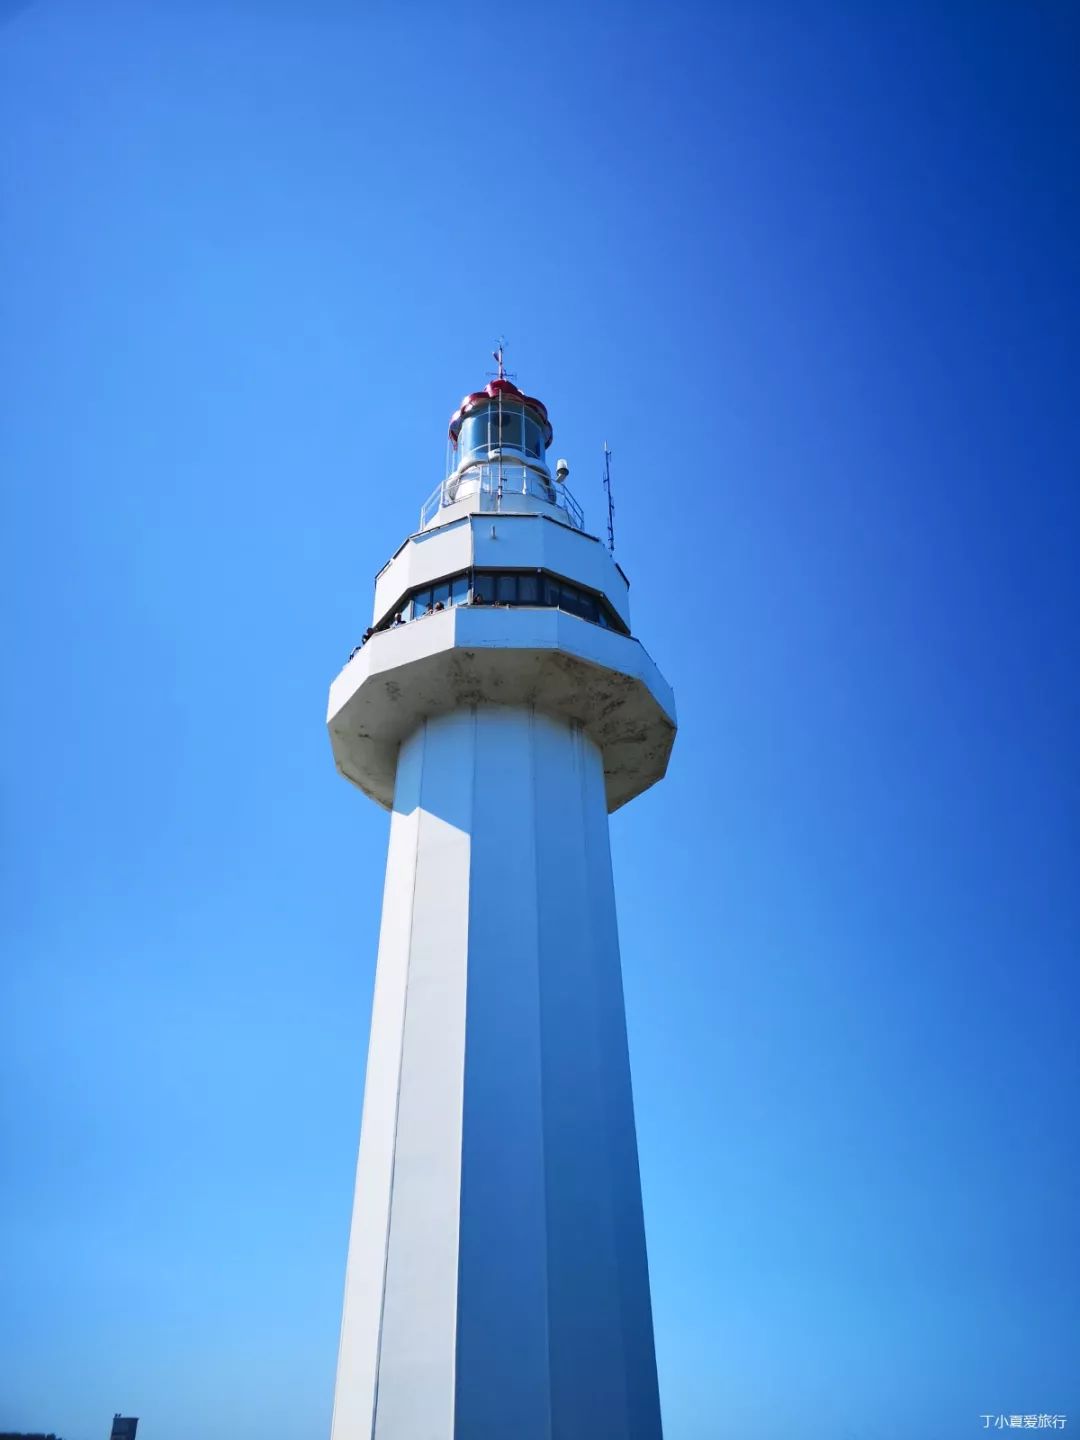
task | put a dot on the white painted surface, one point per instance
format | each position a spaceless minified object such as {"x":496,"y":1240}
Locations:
{"x":486,"y":503}
{"x":514,"y":1300}
{"x":414,"y":1393}
{"x":424,"y":558}
{"x":362,"y":1311}
{"x":471,"y":655}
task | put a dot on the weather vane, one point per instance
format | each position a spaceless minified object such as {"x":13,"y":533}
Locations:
{"x":497,"y":356}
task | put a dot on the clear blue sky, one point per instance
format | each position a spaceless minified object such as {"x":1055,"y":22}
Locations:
{"x":812,"y":271}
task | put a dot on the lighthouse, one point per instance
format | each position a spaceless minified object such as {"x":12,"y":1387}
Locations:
{"x":500,"y":708}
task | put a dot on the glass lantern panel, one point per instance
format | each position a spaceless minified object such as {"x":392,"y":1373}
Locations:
{"x":506,"y":428}
{"x":473,"y":440}
{"x":534,"y":439}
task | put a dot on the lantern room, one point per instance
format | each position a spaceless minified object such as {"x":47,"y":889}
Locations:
{"x":497,"y":460}
{"x":499,"y":422}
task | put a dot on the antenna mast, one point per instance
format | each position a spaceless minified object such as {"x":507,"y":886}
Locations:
{"x":497,"y":356}
{"x":610,"y":501}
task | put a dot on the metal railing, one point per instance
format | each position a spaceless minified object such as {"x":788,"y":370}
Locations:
{"x":495,"y":485}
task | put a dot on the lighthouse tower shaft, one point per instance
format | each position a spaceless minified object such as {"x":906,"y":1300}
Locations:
{"x":497,"y":1280}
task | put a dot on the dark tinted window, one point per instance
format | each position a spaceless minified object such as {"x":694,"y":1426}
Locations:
{"x":578,"y":603}
{"x":510,"y":588}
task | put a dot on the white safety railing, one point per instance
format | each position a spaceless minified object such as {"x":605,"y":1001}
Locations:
{"x":497,"y":485}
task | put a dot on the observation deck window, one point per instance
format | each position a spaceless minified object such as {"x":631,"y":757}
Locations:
{"x":483,"y":589}
{"x":422,"y":602}
{"x":505,"y":587}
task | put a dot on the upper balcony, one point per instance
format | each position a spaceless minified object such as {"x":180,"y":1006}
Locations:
{"x":501,"y":485}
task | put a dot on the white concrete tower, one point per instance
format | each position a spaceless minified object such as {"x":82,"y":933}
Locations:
{"x":497,"y":1284}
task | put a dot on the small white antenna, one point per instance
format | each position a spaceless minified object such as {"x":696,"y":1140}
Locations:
{"x":610,"y":501}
